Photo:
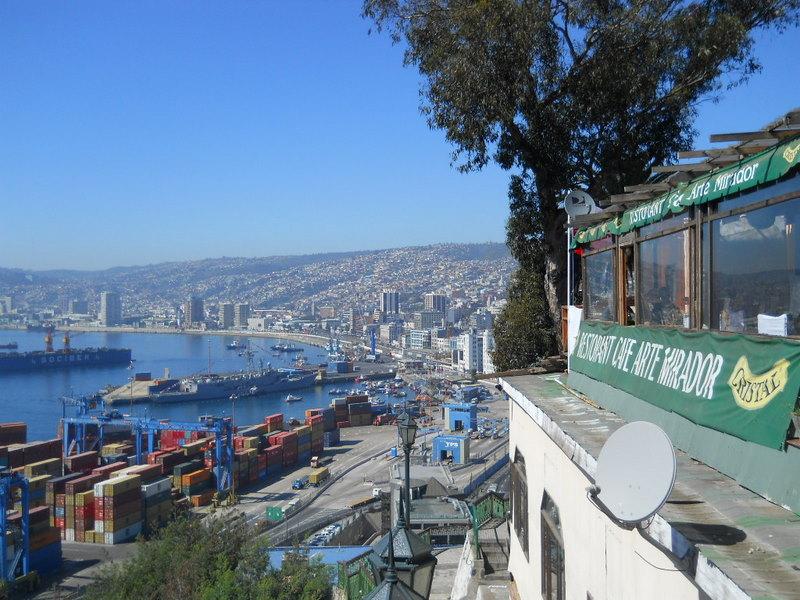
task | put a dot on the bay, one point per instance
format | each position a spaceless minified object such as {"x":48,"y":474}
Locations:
{"x":35,"y":397}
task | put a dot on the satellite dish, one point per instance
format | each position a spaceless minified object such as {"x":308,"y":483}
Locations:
{"x":578,"y":202}
{"x":635,"y":471}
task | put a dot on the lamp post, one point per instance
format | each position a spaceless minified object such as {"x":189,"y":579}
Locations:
{"x":392,"y":587}
{"x":407,"y":429}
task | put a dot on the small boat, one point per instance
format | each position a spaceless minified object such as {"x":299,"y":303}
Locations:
{"x":9,"y":346}
{"x":235,"y":345}
{"x":291,"y":398}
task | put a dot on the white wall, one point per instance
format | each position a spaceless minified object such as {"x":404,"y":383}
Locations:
{"x":601,"y":558}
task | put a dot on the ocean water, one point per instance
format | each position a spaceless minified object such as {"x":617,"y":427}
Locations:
{"x":35,"y":398}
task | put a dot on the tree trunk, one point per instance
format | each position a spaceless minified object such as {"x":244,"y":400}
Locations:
{"x":555,"y":270}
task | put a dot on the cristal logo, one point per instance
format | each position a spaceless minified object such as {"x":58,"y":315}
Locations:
{"x":752,"y":392}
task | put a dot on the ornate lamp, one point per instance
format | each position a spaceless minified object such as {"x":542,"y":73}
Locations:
{"x":392,"y":587}
{"x":407,"y":429}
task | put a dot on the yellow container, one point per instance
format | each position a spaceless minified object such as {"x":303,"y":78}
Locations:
{"x":84,"y":498}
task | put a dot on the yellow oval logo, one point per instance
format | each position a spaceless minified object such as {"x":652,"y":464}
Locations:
{"x":752,"y":392}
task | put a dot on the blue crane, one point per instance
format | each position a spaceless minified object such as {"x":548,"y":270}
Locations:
{"x":220,"y":427}
{"x":10,"y":481}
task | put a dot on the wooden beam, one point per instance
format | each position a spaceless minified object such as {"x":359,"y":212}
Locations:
{"x":710,"y":153}
{"x":661,"y":186}
{"x":631,"y":198}
{"x":702,"y":167}
{"x":779,"y":132}
{"x":609,"y":213}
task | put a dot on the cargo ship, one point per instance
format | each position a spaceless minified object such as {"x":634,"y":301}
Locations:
{"x":66,"y":357}
{"x":212,"y":386}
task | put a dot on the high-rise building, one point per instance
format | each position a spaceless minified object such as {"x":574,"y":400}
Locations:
{"x":389,"y":332}
{"x":226,"y":313}
{"x":78,"y":307}
{"x":110,"y":309}
{"x":437,"y":302}
{"x":242,"y":314}
{"x":390,"y":302}
{"x":470,"y":351}
{"x":428,"y":319}
{"x":194,"y":312}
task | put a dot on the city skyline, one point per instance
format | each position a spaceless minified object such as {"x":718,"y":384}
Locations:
{"x":275,"y":130}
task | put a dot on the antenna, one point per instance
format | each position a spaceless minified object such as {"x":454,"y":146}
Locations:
{"x":635,"y":472}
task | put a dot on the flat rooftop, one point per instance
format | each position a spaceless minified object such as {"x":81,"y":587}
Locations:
{"x":753,"y":542}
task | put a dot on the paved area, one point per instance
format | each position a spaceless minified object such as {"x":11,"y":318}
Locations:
{"x":445,"y":573}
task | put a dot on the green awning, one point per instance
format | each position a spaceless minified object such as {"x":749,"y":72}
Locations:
{"x":764,"y":167}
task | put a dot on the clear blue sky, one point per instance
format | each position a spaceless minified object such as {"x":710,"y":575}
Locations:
{"x":138,"y":132}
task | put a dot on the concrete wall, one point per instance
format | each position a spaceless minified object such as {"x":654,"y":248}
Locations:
{"x":464,"y":573}
{"x":601,"y":558}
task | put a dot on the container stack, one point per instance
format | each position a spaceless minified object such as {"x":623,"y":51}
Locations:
{"x":118,"y":509}
{"x":274,"y":423}
{"x":287,"y":440}
{"x":340,"y":414}
{"x":197,"y":487}
{"x":328,"y":419}
{"x":331,"y":438}
{"x":45,"y":542}
{"x":156,"y":503}
{"x":55,"y":486}
{"x":274,"y":456}
{"x":303,"y":444}
{"x":108,"y":469}
{"x":65,"y":503}
{"x":184,"y":469}
{"x":19,"y":455}
{"x":317,"y":432}
{"x":83,"y":516}
{"x":360,"y":413}
{"x":116,"y":450}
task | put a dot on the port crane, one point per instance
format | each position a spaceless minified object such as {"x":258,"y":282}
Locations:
{"x":20,"y":534}
{"x":221,"y":428}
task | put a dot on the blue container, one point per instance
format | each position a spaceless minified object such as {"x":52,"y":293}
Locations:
{"x":393,"y":452}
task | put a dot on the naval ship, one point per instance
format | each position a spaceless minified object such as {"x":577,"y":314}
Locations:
{"x":66,"y":357}
{"x":214,"y":386}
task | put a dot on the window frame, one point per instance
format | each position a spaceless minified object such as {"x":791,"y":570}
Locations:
{"x":519,"y":502}
{"x":614,"y":249}
{"x":550,"y":534}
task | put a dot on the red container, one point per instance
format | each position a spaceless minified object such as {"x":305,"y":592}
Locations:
{"x":147,"y":473}
{"x":78,"y":463}
{"x":82,"y":484}
{"x":39,"y":515}
{"x":108,"y":469}
{"x":152,"y":458}
{"x":13,"y":433}
{"x":274,"y":455}
{"x":342,"y":424}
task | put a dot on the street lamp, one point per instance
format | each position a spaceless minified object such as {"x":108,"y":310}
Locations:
{"x":407,"y":429}
{"x":407,"y":555}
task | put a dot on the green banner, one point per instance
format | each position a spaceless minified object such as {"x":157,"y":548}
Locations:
{"x":758,"y":169}
{"x":737,"y":384}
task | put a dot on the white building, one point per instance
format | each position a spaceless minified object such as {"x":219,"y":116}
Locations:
{"x":436,"y":302}
{"x":420,"y":339}
{"x":470,"y":351}
{"x":110,"y":309}
{"x":488,"y":348}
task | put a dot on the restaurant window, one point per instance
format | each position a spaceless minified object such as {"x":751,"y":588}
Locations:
{"x":751,"y":278}
{"x":665,"y":277}
{"x":598,"y":294}
{"x":519,"y":501}
{"x":552,"y":551}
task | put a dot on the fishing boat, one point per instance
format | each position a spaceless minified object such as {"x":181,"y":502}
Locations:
{"x":291,"y":398}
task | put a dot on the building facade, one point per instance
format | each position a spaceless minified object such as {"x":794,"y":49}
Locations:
{"x":226,"y":312}
{"x":241,"y":315}
{"x":110,"y":309}
{"x":194,"y":312}
{"x":436,"y":302}
{"x":390,"y":302}
{"x":470,"y":351}
{"x":420,"y":339}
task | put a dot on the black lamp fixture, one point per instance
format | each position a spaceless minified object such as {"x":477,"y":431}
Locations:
{"x":410,"y":555}
{"x":392,"y":587}
{"x":407,"y":428}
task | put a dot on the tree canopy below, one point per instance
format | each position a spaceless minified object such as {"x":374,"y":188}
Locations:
{"x":210,"y":560}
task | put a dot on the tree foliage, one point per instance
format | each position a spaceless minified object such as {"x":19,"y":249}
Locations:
{"x":210,"y":560}
{"x":571,"y":93}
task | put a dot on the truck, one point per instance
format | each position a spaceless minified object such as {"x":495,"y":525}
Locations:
{"x":299,"y":484}
{"x":319,"y":461}
{"x":318,"y":476}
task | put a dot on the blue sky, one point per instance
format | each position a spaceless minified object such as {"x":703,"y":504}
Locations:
{"x":138,"y":132}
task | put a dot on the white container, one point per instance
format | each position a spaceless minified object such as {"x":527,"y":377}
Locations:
{"x":70,"y":535}
{"x":157,"y":487}
{"x":99,"y":526}
{"x":123,"y":535}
